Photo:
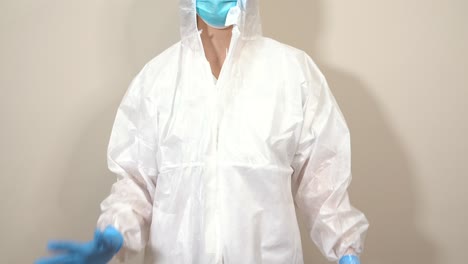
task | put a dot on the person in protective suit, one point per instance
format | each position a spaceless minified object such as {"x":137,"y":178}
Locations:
{"x":216,"y":143}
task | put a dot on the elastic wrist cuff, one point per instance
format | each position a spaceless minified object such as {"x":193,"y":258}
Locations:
{"x":350,"y":259}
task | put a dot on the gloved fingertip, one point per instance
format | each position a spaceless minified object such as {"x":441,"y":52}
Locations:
{"x":349,"y":259}
{"x":52,"y":244}
{"x":113,"y":238}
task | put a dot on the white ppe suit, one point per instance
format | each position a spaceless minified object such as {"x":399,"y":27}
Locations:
{"x":210,"y":172}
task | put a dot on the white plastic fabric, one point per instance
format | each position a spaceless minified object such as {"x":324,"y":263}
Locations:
{"x":210,"y":172}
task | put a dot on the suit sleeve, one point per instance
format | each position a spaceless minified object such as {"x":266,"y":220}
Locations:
{"x":322,"y":174}
{"x":131,"y":156}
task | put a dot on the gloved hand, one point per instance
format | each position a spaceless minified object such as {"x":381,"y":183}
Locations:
{"x":349,"y":259}
{"x":100,"y":250}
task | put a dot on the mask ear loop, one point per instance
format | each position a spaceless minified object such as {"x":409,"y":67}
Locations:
{"x":233,"y":15}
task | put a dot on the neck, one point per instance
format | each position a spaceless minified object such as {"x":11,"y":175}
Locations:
{"x":215,"y":44}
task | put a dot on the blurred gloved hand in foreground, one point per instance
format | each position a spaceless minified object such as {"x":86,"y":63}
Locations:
{"x":100,"y":250}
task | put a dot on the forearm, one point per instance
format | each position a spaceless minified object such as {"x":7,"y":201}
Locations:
{"x":128,"y":210}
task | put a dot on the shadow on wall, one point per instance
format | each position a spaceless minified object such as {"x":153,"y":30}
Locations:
{"x":383,"y":186}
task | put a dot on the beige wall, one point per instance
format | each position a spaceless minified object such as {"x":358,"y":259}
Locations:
{"x":398,"y":69}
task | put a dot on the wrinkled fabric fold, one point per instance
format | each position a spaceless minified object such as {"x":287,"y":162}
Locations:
{"x":131,"y":156}
{"x":322,"y":174}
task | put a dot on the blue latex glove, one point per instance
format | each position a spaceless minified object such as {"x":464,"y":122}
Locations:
{"x":100,"y":250}
{"x":349,"y":259}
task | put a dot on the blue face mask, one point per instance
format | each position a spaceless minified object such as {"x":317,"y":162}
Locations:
{"x":214,"y":12}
